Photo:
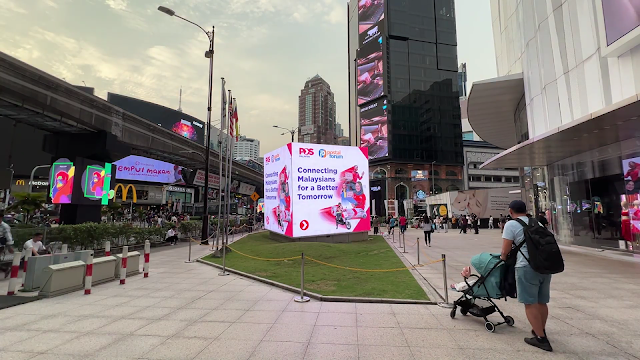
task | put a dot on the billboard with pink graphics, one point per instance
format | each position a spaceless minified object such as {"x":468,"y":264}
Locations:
{"x":325,"y":190}
{"x":277,"y":191}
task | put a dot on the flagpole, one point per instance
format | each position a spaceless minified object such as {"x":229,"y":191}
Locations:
{"x":220,"y":138}
{"x":227,"y":192}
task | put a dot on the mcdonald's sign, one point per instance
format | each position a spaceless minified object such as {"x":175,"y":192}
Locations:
{"x":125,"y":190}
{"x":20,"y":182}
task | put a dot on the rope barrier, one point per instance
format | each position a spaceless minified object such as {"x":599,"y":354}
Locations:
{"x":263,"y":259}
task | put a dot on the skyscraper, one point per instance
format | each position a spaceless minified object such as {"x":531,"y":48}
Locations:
{"x":317,"y":113}
{"x":404,"y":97}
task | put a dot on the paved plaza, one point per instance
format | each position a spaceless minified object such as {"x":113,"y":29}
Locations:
{"x":187,"y":311}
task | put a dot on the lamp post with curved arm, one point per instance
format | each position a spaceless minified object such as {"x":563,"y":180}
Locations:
{"x":292,"y":131}
{"x":209,"y":55}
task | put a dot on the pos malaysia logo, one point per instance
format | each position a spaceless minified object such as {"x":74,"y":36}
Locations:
{"x":336,"y":154}
{"x":306,"y":152}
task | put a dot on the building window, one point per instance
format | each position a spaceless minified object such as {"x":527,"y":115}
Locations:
{"x":379,"y":174}
{"x":436,"y":173}
{"x":452,"y":188}
{"x":467,"y":135}
{"x":451,"y":173}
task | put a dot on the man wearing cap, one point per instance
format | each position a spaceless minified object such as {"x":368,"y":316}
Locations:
{"x":533,"y":288}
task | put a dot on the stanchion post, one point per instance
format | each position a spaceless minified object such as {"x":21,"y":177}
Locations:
{"x":123,"y":265}
{"x":418,"y":243}
{"x":24,"y":267}
{"x":64,"y":249}
{"x":15,"y":269}
{"x":88,"y":275}
{"x":445,"y":304}
{"x":224,"y":259}
{"x":301,"y":298}
{"x":190,"y":261}
{"x":107,"y":248}
{"x":404,"y":244}
{"x":147,"y":252}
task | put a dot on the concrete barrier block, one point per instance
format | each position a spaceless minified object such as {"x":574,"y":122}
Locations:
{"x":133,"y":264}
{"x":63,"y":278}
{"x":104,"y":269}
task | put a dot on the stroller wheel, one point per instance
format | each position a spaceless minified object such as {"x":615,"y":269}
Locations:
{"x":509,"y":320}
{"x":489,"y":326}
{"x":453,"y":313}
{"x":464,"y":311}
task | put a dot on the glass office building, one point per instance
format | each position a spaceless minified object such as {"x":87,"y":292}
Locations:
{"x":404,"y":95}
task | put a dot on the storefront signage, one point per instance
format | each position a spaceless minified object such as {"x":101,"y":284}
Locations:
{"x":179,"y":189}
{"x":140,"y":168}
{"x":21,"y":182}
{"x":246,"y":189}
{"x":125,"y":190}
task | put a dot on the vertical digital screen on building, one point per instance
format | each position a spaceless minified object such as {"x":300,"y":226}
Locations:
{"x":370,"y":13}
{"x":374,"y":128}
{"x":96,"y":182}
{"x":370,"y":71}
{"x":61,"y":184}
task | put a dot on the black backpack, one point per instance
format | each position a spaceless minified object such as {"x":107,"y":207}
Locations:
{"x":544,"y":253}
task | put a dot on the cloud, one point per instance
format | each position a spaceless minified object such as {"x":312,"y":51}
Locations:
{"x":117,"y":4}
{"x":10,"y":5}
{"x":50,"y":3}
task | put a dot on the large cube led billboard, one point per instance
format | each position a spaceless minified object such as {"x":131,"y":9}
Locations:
{"x":317,"y":189}
{"x":374,"y":128}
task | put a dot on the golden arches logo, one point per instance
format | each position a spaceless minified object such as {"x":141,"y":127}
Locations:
{"x":19,"y":182}
{"x":125,"y":190}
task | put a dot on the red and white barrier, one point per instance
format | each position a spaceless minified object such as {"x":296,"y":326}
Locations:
{"x":107,"y":248}
{"x":63,"y":250}
{"x":24,"y":267}
{"x":15,"y":269}
{"x":88,"y":275}
{"x":123,"y":265}
{"x":147,"y":251}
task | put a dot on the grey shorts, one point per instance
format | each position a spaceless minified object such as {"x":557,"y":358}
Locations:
{"x":533,"y":287}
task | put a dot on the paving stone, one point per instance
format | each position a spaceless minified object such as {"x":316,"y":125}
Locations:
{"x":275,"y":350}
{"x":335,"y":335}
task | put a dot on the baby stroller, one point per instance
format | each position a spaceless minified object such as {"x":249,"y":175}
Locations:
{"x":486,"y":288}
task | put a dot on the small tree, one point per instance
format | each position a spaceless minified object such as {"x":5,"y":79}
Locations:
{"x":28,"y":203}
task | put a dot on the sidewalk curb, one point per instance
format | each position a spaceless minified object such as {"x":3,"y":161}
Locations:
{"x":318,"y":296}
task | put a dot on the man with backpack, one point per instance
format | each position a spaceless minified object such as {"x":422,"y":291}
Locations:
{"x":536,"y":255}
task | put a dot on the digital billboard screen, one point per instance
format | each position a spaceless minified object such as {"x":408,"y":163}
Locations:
{"x":316,"y":189}
{"x":370,"y":71}
{"x":374,"y":129}
{"x":61,"y":183}
{"x":277,"y":191}
{"x":138,"y":168}
{"x":93,"y":185}
{"x":370,"y":13}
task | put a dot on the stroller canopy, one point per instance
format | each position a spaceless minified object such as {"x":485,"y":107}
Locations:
{"x":483,"y":263}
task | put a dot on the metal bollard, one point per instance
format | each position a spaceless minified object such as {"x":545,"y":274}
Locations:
{"x":15,"y":269}
{"x":418,"y":243}
{"x":63,"y":249}
{"x":24,"y":267}
{"x":445,"y":304}
{"x":123,"y":265}
{"x":301,"y":298}
{"x":88,"y":275}
{"x":404,"y":244}
{"x":190,"y":261}
{"x":107,"y":248}
{"x":224,"y":260}
{"x":147,"y":251}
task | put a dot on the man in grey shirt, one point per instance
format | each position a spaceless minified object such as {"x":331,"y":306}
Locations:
{"x":533,"y":288}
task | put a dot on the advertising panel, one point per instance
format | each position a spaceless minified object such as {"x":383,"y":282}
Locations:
{"x":277,"y":196}
{"x":214,"y":180}
{"x":370,"y":13}
{"x":140,"y":168}
{"x":95,"y":181}
{"x":370,"y":71}
{"x":246,"y":189}
{"x":374,"y":129}
{"x":61,"y":184}
{"x":483,"y":203}
{"x":331,"y":189}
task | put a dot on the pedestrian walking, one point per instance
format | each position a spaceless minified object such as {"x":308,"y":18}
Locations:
{"x":502,"y":221}
{"x":6,"y":242}
{"x":392,"y":225}
{"x":445,"y":223}
{"x":464,"y":223}
{"x":403,"y":224}
{"x":376,"y":225}
{"x":438,"y":222}
{"x":475,"y":222}
{"x":427,"y":228}
{"x":490,"y":222}
{"x":537,"y":256}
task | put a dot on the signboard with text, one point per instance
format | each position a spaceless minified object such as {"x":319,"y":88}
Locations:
{"x":140,"y":168}
{"x":321,"y":189}
{"x":214,"y":180}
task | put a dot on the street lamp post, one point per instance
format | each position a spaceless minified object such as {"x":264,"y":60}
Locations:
{"x":433,"y":184}
{"x":292,"y":131}
{"x":208,"y":54}
{"x":33,"y":173}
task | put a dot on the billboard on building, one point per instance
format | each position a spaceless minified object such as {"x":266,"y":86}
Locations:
{"x":370,"y":70}
{"x":374,"y":129}
{"x":138,"y":168}
{"x":61,"y":174}
{"x":214,"y":180}
{"x":483,"y":203}
{"x":95,"y":182}
{"x":317,"y":189}
{"x":370,"y":14}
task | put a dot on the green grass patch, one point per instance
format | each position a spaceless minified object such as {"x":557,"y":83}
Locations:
{"x":325,"y":280}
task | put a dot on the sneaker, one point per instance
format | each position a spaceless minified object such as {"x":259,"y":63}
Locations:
{"x":540,"y":343}
{"x":534,"y":333}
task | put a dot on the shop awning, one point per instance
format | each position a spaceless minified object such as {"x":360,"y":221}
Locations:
{"x":617,"y":122}
{"x":491,"y":107}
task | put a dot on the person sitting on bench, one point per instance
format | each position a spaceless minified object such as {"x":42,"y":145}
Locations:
{"x":172,"y":235}
{"x":34,"y":246}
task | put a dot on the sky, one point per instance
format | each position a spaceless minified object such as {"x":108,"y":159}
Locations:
{"x":265,"y":50}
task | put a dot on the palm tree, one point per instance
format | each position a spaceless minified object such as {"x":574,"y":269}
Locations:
{"x":28,"y":203}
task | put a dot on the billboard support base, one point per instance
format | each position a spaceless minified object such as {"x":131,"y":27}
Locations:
{"x":332,"y":238}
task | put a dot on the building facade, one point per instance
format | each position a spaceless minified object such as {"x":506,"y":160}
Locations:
{"x":404,"y":97}
{"x":565,"y":106}
{"x":317,"y":109}
{"x":475,"y":154}
{"x":246,"y":149}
